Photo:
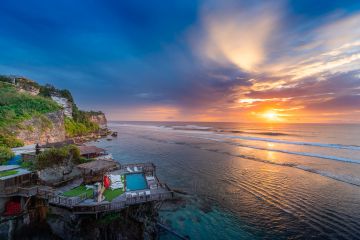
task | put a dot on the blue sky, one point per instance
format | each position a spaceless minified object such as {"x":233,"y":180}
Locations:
{"x":191,"y":60}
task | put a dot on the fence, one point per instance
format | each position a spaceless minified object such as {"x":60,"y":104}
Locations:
{"x":114,"y":206}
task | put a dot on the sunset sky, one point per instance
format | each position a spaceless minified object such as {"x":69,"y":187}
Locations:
{"x":242,"y":61}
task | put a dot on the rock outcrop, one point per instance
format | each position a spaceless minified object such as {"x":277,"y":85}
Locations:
{"x":47,"y":128}
{"x":65,"y":103}
{"x":99,"y":118}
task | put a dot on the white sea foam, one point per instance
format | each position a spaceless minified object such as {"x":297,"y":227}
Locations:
{"x":200,"y":130}
{"x":307,"y":154}
{"x":315,"y":144}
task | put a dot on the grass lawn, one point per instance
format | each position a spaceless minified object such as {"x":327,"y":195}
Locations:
{"x":77,"y":191}
{"x":8,"y":173}
{"x":111,"y":194}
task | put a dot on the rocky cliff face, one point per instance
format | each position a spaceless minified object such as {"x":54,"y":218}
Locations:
{"x":65,"y":103}
{"x":43,"y":129}
{"x":100,"y":119}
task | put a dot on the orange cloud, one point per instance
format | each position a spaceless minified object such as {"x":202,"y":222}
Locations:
{"x":238,"y":37}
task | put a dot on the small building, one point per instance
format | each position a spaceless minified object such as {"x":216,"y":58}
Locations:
{"x":94,"y":171}
{"x":91,"y":151}
{"x":12,"y":177}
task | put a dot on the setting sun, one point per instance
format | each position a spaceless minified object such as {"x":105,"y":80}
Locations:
{"x":271,"y":116}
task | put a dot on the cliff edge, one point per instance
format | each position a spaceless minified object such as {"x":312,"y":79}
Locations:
{"x":31,"y":113}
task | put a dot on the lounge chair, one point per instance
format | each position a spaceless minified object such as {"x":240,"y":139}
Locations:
{"x":150,"y":178}
{"x":129,"y":169}
{"x":136,"y":169}
{"x":147,"y":193}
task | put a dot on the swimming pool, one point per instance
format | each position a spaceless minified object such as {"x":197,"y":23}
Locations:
{"x":135,"y":181}
{"x":16,"y":160}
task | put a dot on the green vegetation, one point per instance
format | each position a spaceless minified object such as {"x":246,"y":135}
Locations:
{"x":28,"y":165}
{"x":58,"y":156}
{"x":16,"y":107}
{"x":111,"y":194}
{"x":78,"y":191}
{"x":80,"y":124}
{"x":108,"y":193}
{"x":80,"y":127}
{"x":5,"y":154}
{"x":10,"y":141}
{"x":8,"y":173}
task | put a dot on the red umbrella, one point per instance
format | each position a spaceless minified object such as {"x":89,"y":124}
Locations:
{"x":107,"y":182}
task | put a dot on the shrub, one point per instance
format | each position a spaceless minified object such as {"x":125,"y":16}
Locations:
{"x":16,"y":107}
{"x":5,"y":154}
{"x":10,"y":141}
{"x":58,"y":156}
{"x":81,"y":127}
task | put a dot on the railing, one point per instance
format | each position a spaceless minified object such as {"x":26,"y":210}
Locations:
{"x":145,"y":166}
{"x":23,"y":191}
{"x":8,"y":191}
{"x":113,"y":206}
{"x":28,"y":191}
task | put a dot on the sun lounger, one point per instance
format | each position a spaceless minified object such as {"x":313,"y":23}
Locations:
{"x":136,"y":169}
{"x":129,"y":169}
{"x":150,"y":178}
{"x":133,"y":194}
{"x":147,"y":193}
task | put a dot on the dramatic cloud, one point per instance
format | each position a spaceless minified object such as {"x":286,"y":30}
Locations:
{"x":192,"y":60}
{"x":238,"y":36}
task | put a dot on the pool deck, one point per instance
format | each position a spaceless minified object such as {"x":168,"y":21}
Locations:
{"x":155,"y":191}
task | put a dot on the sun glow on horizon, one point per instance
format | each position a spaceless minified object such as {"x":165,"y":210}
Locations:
{"x":271,"y":115}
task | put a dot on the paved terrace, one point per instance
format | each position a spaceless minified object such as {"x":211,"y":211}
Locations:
{"x":82,"y":205}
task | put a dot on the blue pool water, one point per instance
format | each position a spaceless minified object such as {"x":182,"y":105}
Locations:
{"x":135,"y":181}
{"x":16,"y":160}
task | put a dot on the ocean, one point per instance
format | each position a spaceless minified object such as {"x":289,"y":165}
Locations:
{"x":251,"y":181}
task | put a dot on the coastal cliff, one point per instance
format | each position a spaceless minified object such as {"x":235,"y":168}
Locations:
{"x":31,"y":113}
{"x":98,"y":118}
{"x":47,"y":128}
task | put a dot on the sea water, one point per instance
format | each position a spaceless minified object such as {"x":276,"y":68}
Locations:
{"x":251,"y":181}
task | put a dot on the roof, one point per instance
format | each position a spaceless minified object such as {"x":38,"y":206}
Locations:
{"x":8,"y":167}
{"x":19,"y":172}
{"x":58,"y":144}
{"x":98,"y":165}
{"x":24,"y":149}
{"x":90,"y":149}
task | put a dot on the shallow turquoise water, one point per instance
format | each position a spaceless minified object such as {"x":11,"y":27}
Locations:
{"x":135,"y":181}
